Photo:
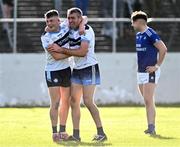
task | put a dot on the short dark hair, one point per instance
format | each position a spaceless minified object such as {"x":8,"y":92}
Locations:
{"x":75,"y":10}
{"x":139,"y":15}
{"x":51,"y":13}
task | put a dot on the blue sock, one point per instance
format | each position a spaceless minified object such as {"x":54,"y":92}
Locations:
{"x":151,"y":127}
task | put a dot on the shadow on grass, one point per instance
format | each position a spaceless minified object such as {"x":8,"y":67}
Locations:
{"x":158,"y":136}
{"x":71,"y":143}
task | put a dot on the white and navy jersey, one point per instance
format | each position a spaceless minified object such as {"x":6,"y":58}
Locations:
{"x":146,"y":51}
{"x":62,"y":39}
{"x":75,"y":41}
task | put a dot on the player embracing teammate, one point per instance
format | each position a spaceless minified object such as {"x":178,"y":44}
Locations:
{"x":85,"y":75}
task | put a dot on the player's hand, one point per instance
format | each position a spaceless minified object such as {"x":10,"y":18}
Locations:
{"x":54,"y":48}
{"x":81,"y":30}
{"x":151,"y":69}
{"x":47,"y":29}
{"x":50,"y":48}
{"x":82,"y":25}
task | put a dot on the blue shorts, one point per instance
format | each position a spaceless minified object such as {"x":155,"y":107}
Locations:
{"x":86,"y":76}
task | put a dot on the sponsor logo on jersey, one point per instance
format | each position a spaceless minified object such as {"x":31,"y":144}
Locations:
{"x":143,"y":49}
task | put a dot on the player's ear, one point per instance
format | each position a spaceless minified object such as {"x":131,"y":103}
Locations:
{"x":59,"y":20}
{"x":80,"y":19}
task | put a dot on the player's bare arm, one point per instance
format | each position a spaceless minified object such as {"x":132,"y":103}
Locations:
{"x":57,"y":55}
{"x":82,"y":24}
{"x":79,"y":52}
{"x":162,"y":52}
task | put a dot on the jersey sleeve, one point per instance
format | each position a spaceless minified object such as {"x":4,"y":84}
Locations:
{"x":46,"y":41}
{"x":86,"y":36}
{"x":154,"y":37}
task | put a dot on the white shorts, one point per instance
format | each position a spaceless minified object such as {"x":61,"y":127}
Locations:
{"x":144,"y":78}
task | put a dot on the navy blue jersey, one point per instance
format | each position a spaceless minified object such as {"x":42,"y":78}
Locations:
{"x":146,"y":51}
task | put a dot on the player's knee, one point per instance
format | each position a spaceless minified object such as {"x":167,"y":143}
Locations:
{"x":88,"y":103}
{"x":54,"y":106}
{"x":148,"y":102}
{"x":64,"y":106}
{"x":74,"y":102}
{"x":65,"y":102}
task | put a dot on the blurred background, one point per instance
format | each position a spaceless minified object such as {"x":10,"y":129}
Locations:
{"x":28,"y":33}
{"x":22,"y":23}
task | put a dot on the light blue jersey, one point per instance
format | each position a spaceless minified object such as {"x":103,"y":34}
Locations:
{"x":75,"y":40}
{"x":62,"y":39}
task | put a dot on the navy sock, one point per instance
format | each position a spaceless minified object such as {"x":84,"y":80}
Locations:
{"x":54,"y":129}
{"x":151,"y":127}
{"x":100,"y":131}
{"x":62,"y":128}
{"x":76,"y":133}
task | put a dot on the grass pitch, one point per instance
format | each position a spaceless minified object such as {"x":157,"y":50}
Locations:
{"x":124,"y":126}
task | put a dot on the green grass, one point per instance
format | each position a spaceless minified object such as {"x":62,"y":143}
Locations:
{"x":30,"y":127}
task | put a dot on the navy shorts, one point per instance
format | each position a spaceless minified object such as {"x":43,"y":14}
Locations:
{"x":86,"y":76}
{"x":58,"y":78}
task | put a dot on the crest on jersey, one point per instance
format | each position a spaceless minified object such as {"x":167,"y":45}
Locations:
{"x":55,"y":80}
